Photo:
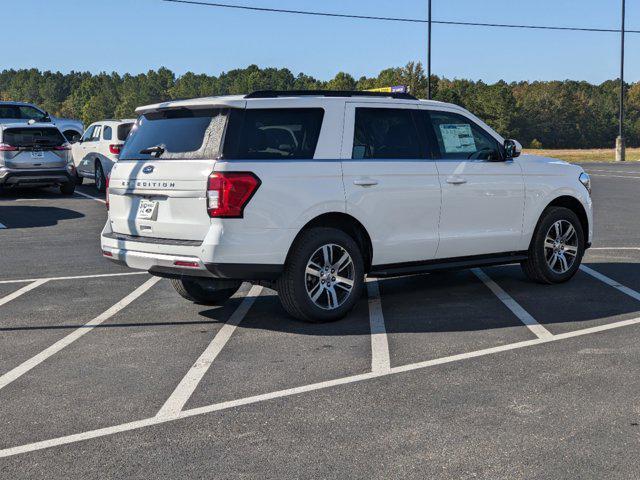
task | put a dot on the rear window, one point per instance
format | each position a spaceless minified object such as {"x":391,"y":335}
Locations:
{"x":33,"y":137}
{"x":281,"y":133}
{"x":123,"y":130}
{"x":387,"y":133}
{"x":176,"y":134}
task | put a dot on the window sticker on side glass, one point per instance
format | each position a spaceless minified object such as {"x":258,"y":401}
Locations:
{"x":457,"y":138}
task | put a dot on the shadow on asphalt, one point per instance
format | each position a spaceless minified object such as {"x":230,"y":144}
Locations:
{"x":29,"y":216}
{"x":440,"y":302}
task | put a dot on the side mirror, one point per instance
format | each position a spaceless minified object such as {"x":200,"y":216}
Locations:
{"x":512,"y":149}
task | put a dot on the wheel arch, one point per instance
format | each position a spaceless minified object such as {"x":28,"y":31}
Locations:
{"x":348,"y":224}
{"x":573,"y":204}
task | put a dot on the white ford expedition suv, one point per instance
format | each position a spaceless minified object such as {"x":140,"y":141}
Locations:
{"x":308,"y":192}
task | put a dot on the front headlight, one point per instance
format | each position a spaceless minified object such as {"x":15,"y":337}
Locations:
{"x":585,"y":180}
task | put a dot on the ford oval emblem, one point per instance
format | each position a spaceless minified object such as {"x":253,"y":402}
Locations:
{"x":147,"y":169}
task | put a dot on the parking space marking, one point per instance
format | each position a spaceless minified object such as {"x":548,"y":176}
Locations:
{"x":75,"y":277}
{"x":180,"y":396}
{"x":86,"y":195}
{"x":524,"y":316}
{"x":611,"y":176}
{"x":148,"y":422}
{"x":611,"y":282}
{"x":36,"y":360}
{"x":614,"y":248}
{"x":27,"y":288}
{"x":380,"y":361}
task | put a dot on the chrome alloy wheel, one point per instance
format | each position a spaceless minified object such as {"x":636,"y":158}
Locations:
{"x":561,"y":246}
{"x":329,"y":276}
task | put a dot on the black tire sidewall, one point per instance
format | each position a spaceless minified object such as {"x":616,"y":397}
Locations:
{"x":309,"y":243}
{"x":100,"y":187}
{"x":537,"y":249}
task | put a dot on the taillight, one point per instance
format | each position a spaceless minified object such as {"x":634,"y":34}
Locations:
{"x":115,"y":148}
{"x":229,"y":192}
{"x":64,"y":146}
{"x":5,"y":147}
{"x":106,"y":190}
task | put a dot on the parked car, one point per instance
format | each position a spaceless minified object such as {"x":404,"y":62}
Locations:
{"x":35,"y":155}
{"x":98,"y":149}
{"x":375,"y":184}
{"x":20,"y":112}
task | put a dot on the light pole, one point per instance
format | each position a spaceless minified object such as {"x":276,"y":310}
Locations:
{"x":429,"y":53}
{"x":620,"y":150}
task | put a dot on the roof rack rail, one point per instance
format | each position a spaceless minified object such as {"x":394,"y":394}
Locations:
{"x":328,"y":93}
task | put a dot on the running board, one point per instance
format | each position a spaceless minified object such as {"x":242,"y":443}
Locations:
{"x":460,"y":263}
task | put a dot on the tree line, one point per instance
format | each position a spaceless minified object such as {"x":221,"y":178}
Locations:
{"x":552,"y":114}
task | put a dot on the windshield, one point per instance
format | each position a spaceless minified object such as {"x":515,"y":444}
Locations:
{"x":33,"y":137}
{"x":178,"y":133}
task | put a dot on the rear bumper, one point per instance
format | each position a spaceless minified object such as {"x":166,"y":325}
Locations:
{"x":190,"y":258}
{"x":10,"y":177}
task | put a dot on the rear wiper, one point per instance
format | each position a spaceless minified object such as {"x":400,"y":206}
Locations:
{"x":157,"y":150}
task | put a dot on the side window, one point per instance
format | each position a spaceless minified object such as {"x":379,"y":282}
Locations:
{"x":283,"y":133}
{"x":385,"y":133}
{"x":96,"y":133}
{"x":30,"y":113}
{"x":460,"y":138}
{"x":107,"y":133}
{"x":88,"y":133}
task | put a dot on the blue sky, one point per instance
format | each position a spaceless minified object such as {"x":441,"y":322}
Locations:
{"x":137,"y":35}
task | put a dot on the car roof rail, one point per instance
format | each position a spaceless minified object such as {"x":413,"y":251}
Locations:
{"x":328,"y":93}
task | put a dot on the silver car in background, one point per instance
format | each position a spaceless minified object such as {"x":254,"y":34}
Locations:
{"x":21,"y":112}
{"x":35,"y":155}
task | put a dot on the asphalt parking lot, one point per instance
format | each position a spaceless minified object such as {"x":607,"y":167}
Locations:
{"x":108,"y":373}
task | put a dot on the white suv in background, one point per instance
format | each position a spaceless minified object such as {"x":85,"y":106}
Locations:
{"x":98,"y":149}
{"x":308,"y":192}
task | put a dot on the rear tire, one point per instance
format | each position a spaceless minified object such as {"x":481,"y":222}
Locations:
{"x":206,"y":291}
{"x":556,"y":248}
{"x":323,"y":277}
{"x":99,"y":177}
{"x":67,"y":188}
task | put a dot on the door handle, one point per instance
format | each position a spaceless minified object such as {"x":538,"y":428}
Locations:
{"x":455,"y":180}
{"x":365,"y":182}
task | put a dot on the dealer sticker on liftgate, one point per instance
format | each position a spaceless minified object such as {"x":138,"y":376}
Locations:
{"x":147,"y":210}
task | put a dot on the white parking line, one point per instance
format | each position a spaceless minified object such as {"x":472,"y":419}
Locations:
{"x":614,"y":248}
{"x":75,"y":277}
{"x":27,"y":288}
{"x":611,"y":282}
{"x":611,"y":176}
{"x":125,"y":427}
{"x":180,"y":396}
{"x":36,"y":360}
{"x":380,"y":361}
{"x":86,"y":195}
{"x":512,"y":305}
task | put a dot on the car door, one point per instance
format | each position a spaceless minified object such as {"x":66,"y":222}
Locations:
{"x":391,"y":185}
{"x":78,"y":150}
{"x":91,"y":152}
{"x":482,"y":194}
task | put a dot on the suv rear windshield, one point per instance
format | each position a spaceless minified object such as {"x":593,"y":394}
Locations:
{"x":33,"y":137}
{"x":178,"y":133}
{"x":278,"y":133}
{"x":123,"y":130}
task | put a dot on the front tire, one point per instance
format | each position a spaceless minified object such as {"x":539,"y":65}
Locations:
{"x":206,"y":291}
{"x":323,"y":277}
{"x":557,"y":247}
